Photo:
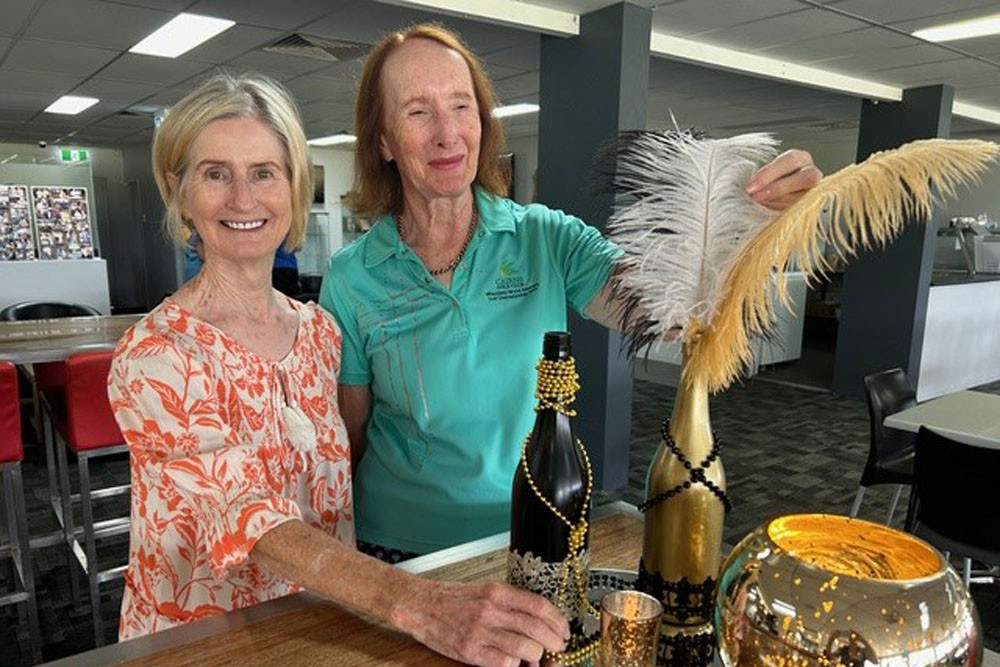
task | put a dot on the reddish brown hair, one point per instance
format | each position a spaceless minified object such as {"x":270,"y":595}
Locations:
{"x":378,"y":188}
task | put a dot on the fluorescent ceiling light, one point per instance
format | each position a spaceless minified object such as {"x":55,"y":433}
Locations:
{"x":986,"y":25}
{"x":181,"y":34}
{"x":71,"y":104}
{"x":515,"y":110}
{"x":333,"y":140}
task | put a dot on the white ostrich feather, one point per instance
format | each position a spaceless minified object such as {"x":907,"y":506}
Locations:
{"x":685,"y":215}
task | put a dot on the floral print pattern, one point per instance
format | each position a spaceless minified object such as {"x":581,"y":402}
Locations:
{"x":213,"y":466}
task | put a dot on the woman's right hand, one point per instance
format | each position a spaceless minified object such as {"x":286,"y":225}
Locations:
{"x":493,"y":624}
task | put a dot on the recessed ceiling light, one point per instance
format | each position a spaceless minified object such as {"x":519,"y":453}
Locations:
{"x":71,"y":104}
{"x":515,"y":110}
{"x":333,"y":140}
{"x":181,"y":34}
{"x":986,"y":25}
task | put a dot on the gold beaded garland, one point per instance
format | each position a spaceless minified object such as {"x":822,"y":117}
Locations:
{"x":557,"y":385}
{"x":556,"y":390}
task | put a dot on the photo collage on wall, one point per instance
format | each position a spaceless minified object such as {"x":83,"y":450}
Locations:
{"x":62,"y":222}
{"x":17,"y":239}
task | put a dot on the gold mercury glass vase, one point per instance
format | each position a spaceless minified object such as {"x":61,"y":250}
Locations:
{"x":820,"y":590}
{"x":682,"y":542}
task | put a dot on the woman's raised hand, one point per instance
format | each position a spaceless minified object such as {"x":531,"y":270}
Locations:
{"x":782,"y":181}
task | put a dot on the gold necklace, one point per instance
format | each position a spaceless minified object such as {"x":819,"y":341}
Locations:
{"x":461,"y":253}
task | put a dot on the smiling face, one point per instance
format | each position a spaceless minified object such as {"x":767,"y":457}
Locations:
{"x":236,"y":190}
{"x":430,"y":124}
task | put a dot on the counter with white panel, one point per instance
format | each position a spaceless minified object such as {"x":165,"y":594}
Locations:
{"x":961,"y":347}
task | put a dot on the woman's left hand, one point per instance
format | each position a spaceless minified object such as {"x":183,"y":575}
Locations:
{"x":782,"y":181}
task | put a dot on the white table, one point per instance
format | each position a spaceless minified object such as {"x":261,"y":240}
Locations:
{"x":970,"y":417}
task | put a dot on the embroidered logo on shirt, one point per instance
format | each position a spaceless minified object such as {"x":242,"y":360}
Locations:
{"x":509,"y":284}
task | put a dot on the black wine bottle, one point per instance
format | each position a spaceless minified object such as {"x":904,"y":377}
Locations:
{"x":551,"y":494}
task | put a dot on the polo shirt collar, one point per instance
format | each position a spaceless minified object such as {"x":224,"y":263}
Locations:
{"x":495,"y":215}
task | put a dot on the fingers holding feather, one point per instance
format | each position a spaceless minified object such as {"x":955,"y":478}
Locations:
{"x":784,"y":180}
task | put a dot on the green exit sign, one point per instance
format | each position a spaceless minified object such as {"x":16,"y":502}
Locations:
{"x":68,"y":155}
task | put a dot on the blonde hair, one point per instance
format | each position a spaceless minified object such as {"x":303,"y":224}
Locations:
{"x":219,"y":97}
{"x":378,"y":188}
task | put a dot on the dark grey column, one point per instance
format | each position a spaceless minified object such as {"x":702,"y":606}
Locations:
{"x":884,"y":303}
{"x":592,"y":86}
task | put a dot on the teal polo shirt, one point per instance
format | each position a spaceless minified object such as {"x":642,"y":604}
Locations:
{"x":451,"y":370}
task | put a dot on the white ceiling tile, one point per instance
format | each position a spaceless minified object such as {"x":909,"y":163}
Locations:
{"x":142,"y":68}
{"x":691,"y":17}
{"x":276,"y":15}
{"x":347,"y":73}
{"x":125,"y":121}
{"x":314,"y":88}
{"x":163,"y":5}
{"x":870,"y":63}
{"x":366,"y":22}
{"x":42,"y":55}
{"x":952,"y":72}
{"x":169,"y":96}
{"x":898,"y":12}
{"x":95,"y":23}
{"x":117,"y":91}
{"x":517,"y":86}
{"x":233,"y":43}
{"x":988,"y":47}
{"x":860,"y":43}
{"x":523,"y":56}
{"x":277,"y":65}
{"x":14,"y":13}
{"x":784,"y":29}
{"x":51,"y":84}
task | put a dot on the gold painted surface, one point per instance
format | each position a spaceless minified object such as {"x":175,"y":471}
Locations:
{"x":776,"y":608}
{"x":854,"y":547}
{"x":683,"y":535}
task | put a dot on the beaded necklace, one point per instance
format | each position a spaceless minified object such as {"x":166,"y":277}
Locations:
{"x":556,"y":390}
{"x":461,"y":253}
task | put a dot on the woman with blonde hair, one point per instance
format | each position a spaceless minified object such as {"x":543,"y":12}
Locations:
{"x":227,"y":396}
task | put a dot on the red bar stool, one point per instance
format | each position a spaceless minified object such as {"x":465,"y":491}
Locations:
{"x":11,"y":455}
{"x":84,"y":423}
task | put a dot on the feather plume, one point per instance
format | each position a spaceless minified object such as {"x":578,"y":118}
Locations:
{"x":868,"y":204}
{"x":685,"y":214}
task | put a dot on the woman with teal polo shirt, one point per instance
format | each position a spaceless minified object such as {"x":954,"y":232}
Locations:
{"x":442,"y":304}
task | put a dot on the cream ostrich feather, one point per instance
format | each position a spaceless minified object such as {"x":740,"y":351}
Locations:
{"x":867,"y":203}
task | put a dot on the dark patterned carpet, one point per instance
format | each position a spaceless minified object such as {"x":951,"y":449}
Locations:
{"x":786,"y":449}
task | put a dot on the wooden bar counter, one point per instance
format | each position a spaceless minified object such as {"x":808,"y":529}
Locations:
{"x":304,"y":630}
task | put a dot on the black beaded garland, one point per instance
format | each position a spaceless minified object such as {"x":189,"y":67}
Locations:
{"x":697,"y":475}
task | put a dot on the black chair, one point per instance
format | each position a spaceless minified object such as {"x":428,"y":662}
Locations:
{"x":44,"y":310}
{"x":310,"y":284}
{"x":890,"y":451}
{"x":954,"y":485}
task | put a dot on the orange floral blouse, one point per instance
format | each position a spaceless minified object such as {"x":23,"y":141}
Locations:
{"x":213,"y":467}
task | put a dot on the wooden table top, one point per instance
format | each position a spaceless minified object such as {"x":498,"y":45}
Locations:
{"x":970,"y":417}
{"x":303,"y":630}
{"x":35,"y":341}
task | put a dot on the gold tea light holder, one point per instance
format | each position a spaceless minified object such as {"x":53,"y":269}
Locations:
{"x":630,"y":622}
{"x":821,"y":590}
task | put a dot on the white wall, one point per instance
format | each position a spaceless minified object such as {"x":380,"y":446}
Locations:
{"x":324,"y":234}
{"x":525,"y":151}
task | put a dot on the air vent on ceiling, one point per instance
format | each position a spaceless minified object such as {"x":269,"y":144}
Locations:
{"x":318,"y":48}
